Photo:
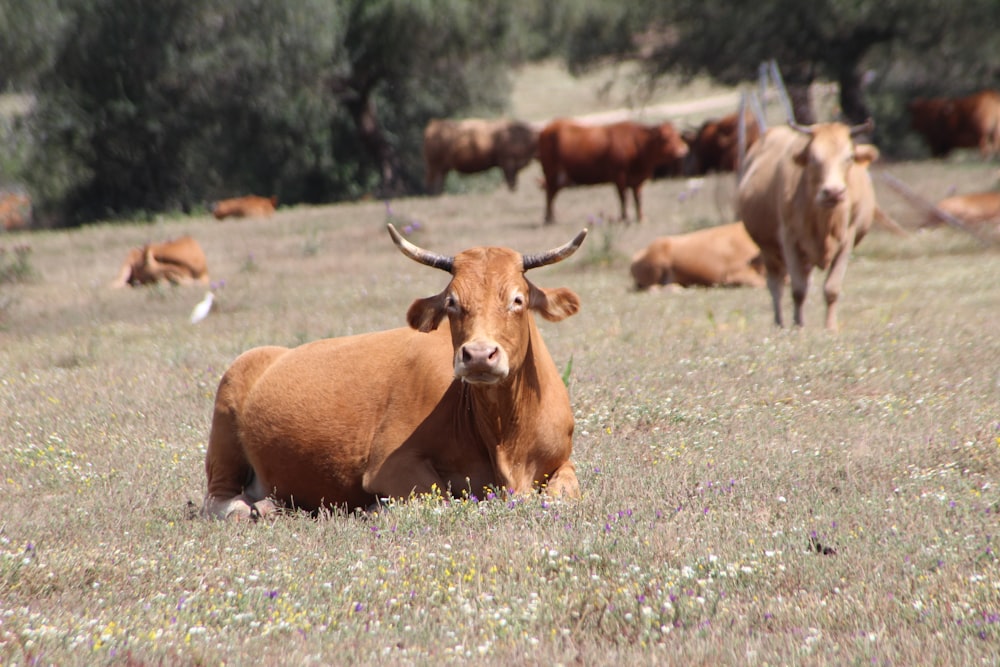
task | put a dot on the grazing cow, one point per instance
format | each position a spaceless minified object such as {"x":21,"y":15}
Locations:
{"x":250,"y":206}
{"x":623,"y":153}
{"x":716,"y":256}
{"x":472,"y":404}
{"x":15,"y":211}
{"x":474,"y":145}
{"x":180,"y":261}
{"x":807,"y":199}
{"x":965,"y":122}
{"x":715,"y":145}
{"x":974,"y":209}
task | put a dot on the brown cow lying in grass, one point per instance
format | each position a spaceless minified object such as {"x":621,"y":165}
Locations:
{"x":807,"y":199}
{"x":465,"y":399}
{"x":250,"y":206}
{"x":180,"y":261}
{"x":716,"y":256}
{"x":975,"y":209}
{"x":15,"y":211}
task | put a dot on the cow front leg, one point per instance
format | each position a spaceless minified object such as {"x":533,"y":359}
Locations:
{"x":776,"y":285}
{"x":835,"y":280}
{"x":638,"y":202}
{"x":551,"y":188}
{"x":404,"y":479}
{"x":563,"y":482}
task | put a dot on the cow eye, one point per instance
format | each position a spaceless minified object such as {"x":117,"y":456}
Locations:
{"x":451,"y":303}
{"x":517,"y":303}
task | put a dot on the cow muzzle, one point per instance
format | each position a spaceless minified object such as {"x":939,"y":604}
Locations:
{"x":831,"y":196}
{"x":481,"y":362}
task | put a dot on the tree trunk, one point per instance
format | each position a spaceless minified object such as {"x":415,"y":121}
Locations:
{"x":852,"y":101}
{"x":362,"y":110}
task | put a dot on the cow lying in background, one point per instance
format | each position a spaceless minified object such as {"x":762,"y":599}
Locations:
{"x":975,"y":209}
{"x":473,"y":145}
{"x":250,"y":206}
{"x":15,"y":211}
{"x":716,"y":256}
{"x":946,"y":123}
{"x":180,"y":261}
{"x":465,"y":399}
{"x":807,"y":199}
{"x":624,"y":153}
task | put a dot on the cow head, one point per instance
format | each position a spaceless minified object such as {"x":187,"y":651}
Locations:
{"x":828,"y":156}
{"x":670,"y":144}
{"x":488,"y":304}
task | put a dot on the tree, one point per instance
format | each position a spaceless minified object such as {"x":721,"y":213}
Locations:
{"x":836,"y":39}
{"x":158,"y":106}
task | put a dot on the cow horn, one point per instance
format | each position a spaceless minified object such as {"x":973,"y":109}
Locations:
{"x":554,"y":255}
{"x":804,"y":129}
{"x":419,"y":254}
{"x":865,"y":128}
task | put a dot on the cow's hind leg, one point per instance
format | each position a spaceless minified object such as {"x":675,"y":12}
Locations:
{"x":234,"y":490}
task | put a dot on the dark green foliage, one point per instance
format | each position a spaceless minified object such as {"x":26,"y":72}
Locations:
{"x":162,"y":106}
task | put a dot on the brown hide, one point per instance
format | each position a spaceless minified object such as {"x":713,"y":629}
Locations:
{"x":806,"y":200}
{"x":624,"y":154}
{"x":975,"y":208}
{"x":472,"y":404}
{"x":473,"y":145}
{"x":964,"y":122}
{"x":250,"y":206}
{"x":716,"y":256}
{"x":715,"y":146}
{"x":180,"y":261}
{"x":15,"y":211}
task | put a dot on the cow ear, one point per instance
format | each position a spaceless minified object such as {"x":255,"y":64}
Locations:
{"x":426,"y":314}
{"x":865,"y":154}
{"x":553,"y":304}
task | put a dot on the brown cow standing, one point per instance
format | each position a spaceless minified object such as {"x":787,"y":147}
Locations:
{"x":807,"y":199}
{"x":250,"y":206}
{"x":180,"y":261}
{"x":715,"y":146}
{"x":624,"y":153}
{"x":965,"y":122}
{"x":715,"y":256}
{"x":473,"y":145}
{"x":477,"y":403}
{"x":974,"y":209}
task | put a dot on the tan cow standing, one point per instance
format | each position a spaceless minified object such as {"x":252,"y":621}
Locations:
{"x":715,"y":256}
{"x":473,"y":145}
{"x":180,"y":261}
{"x":474,"y":403}
{"x":250,"y":206}
{"x":807,"y":199}
{"x":15,"y":211}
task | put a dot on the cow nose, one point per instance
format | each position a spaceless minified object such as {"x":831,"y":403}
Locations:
{"x":833,"y":194}
{"x":479,"y":357}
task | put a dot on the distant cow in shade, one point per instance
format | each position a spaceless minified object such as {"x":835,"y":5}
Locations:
{"x":250,"y":206}
{"x":963,"y":122}
{"x":473,"y":145}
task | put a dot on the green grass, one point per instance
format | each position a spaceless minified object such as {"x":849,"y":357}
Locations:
{"x":750,"y":495}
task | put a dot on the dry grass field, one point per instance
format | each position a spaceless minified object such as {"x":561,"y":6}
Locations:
{"x":750,"y":495}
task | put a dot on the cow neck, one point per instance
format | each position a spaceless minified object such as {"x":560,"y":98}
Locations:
{"x":504,"y":416}
{"x":828,"y":227}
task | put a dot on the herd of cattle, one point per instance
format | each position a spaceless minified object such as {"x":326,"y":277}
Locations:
{"x":349,"y":422}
